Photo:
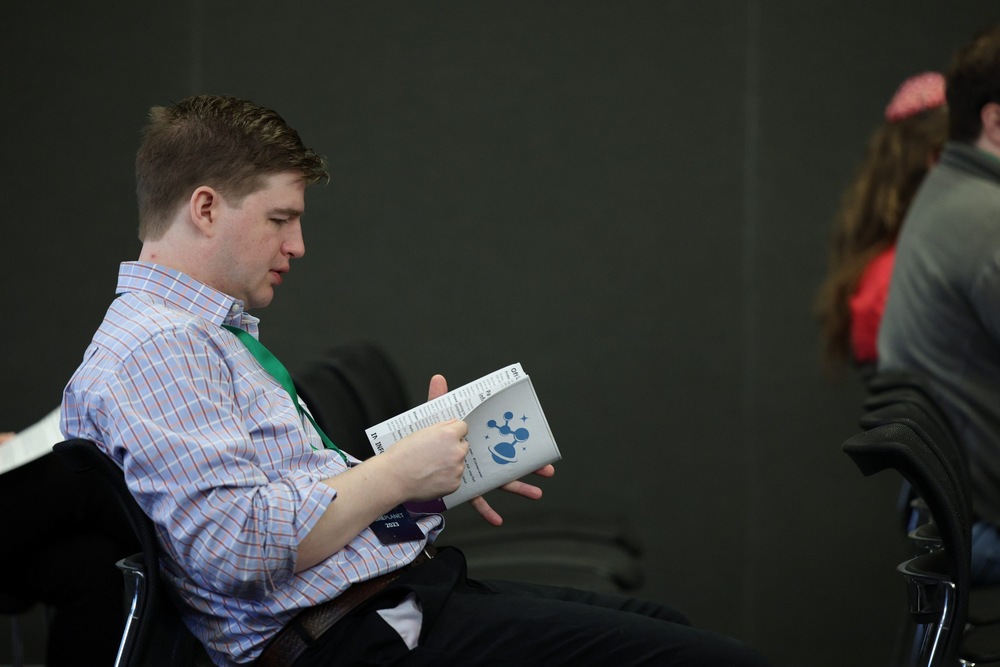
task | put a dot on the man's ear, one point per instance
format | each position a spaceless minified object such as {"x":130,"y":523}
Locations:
{"x":203,"y":209}
{"x":990,"y":117}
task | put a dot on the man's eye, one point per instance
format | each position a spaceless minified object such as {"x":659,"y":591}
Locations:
{"x":279,"y":221}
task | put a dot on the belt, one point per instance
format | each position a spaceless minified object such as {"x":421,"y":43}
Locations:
{"x":304,"y":629}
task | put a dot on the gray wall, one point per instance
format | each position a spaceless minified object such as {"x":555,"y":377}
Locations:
{"x":632,"y":199}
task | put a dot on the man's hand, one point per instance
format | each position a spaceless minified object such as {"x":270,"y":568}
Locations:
{"x":429,"y":464}
{"x":439,"y":387}
{"x":424,"y":465}
{"x":7,"y":435}
{"x":516,"y":487}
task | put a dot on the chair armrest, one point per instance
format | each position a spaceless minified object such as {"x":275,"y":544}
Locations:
{"x":133,"y":569}
{"x":930,"y":587}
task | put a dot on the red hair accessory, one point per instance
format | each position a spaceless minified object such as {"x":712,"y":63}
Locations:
{"x":916,"y":94}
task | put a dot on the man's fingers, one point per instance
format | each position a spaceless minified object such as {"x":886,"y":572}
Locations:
{"x":438,"y":387}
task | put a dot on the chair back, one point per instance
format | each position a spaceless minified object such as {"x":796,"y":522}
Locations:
{"x":895,"y":445}
{"x":352,"y":387}
{"x":892,"y":379}
{"x":895,"y":386}
{"x":937,"y":437}
{"x":154,"y":633}
{"x":903,"y":396}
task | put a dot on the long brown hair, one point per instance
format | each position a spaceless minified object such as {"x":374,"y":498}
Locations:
{"x":871,"y":213}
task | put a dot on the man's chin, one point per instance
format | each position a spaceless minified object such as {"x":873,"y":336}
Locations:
{"x":261,"y":300}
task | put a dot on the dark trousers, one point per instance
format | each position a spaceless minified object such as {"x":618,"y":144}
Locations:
{"x":498,"y":623}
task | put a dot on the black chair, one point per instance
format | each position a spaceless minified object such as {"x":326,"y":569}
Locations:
{"x":355,"y":386}
{"x":14,"y":606}
{"x":954,"y":622}
{"x":938,"y":581}
{"x":891,"y":379}
{"x":352,"y":387}
{"x":921,"y":406}
{"x":912,"y":410}
{"x":904,"y":388}
{"x":903,"y":397}
{"x":555,"y":546}
{"x":154,"y":634}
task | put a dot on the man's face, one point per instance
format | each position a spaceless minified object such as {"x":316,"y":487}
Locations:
{"x":258,"y":239}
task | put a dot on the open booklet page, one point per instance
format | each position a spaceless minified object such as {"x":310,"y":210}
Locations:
{"x":509,"y":436}
{"x":31,"y":443}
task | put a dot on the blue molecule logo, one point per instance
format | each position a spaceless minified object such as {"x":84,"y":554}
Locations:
{"x":506,"y":452}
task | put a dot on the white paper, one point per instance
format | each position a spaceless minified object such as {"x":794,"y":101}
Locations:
{"x":509,"y":436}
{"x":31,"y":443}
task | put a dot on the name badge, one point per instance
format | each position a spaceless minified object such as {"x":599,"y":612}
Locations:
{"x":396,"y":526}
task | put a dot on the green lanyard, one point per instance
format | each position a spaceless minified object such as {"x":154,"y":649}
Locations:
{"x":270,"y":363}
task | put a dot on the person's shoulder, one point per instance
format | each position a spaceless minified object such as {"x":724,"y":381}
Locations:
{"x":965,"y":180}
{"x":136,"y":320}
{"x":953,"y":208}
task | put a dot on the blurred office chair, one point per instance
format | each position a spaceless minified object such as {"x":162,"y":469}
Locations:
{"x":901,"y":389}
{"x":553,"y":546}
{"x":908,"y":391}
{"x":355,"y":385}
{"x":938,"y":581}
{"x":352,"y":387}
{"x":891,"y":379}
{"x":917,"y":414}
{"x":903,"y":397}
{"x":154,"y":635}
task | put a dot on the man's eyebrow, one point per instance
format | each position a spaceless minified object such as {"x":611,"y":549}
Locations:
{"x":290,"y":212}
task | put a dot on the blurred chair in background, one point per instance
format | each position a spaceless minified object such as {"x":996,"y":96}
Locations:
{"x":906,"y":431}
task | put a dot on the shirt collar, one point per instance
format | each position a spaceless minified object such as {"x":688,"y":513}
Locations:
{"x":180,"y":290}
{"x":970,"y":159}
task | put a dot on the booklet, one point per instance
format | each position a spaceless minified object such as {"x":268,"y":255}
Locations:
{"x":509,"y":436}
{"x":31,"y":443}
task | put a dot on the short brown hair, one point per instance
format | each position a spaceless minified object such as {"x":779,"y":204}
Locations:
{"x":973,"y":81}
{"x":223,"y":142}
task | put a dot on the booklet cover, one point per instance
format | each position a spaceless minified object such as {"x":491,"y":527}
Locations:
{"x":509,"y":436}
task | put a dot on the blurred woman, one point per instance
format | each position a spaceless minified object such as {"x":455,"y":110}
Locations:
{"x":900,"y":153}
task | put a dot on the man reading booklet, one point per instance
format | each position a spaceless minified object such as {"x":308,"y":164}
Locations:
{"x":281,"y":549}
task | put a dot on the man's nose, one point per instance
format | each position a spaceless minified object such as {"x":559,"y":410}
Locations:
{"x":295,"y":245}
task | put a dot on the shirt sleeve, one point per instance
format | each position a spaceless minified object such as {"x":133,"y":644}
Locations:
{"x":229,"y":518}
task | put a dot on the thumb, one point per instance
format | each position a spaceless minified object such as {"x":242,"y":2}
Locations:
{"x":438,"y":387}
